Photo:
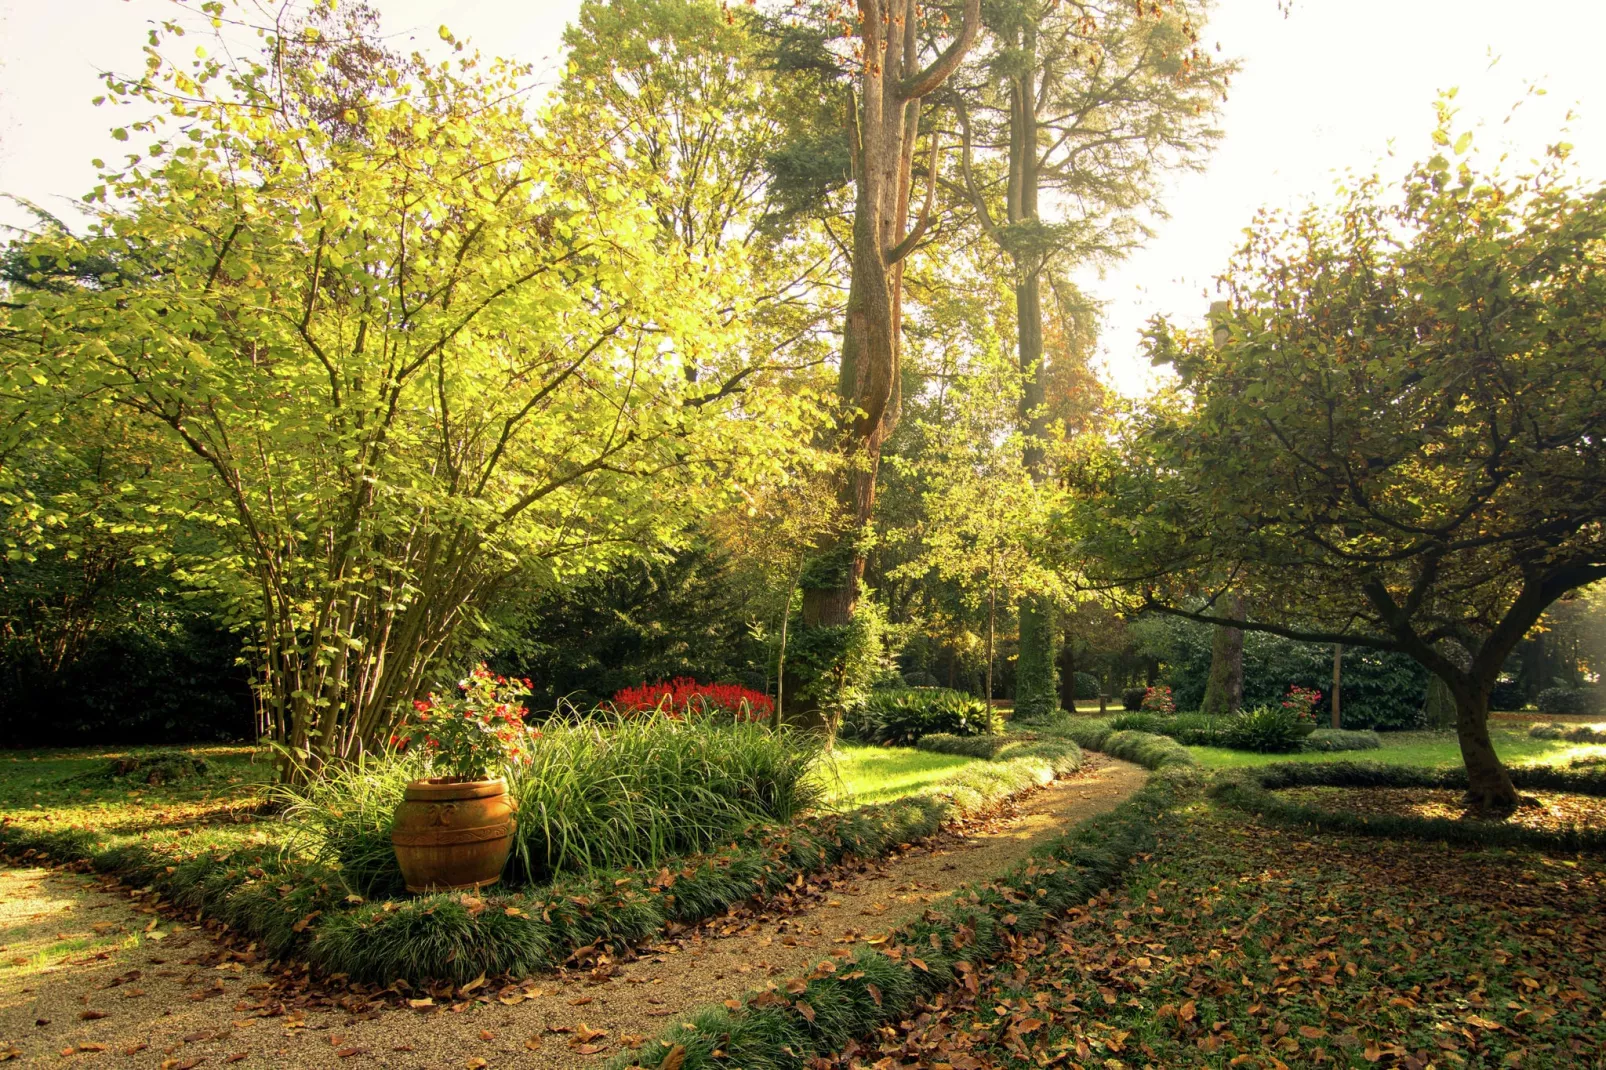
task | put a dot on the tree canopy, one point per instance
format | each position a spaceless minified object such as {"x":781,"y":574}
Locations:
{"x":1392,"y":436}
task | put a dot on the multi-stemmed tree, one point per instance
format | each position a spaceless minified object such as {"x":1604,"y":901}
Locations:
{"x":403,"y":344}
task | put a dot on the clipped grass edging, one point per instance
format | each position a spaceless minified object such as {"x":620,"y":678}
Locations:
{"x":293,"y":906}
{"x":1254,"y":791}
{"x":843,"y":999}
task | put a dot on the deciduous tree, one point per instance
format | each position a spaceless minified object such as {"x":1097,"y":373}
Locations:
{"x":1401,"y":442}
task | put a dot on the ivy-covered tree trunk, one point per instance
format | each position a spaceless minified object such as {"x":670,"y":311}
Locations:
{"x":1438,"y":707}
{"x":1224,"y":691}
{"x":1036,"y":687}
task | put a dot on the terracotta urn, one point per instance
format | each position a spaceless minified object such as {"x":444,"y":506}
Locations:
{"x":452,"y":833}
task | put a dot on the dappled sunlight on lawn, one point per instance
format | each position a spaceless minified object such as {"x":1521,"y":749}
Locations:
{"x":855,"y":775}
{"x":1514,"y":746}
{"x":1551,"y":811}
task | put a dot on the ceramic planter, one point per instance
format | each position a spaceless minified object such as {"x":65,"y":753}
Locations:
{"x":452,"y":833}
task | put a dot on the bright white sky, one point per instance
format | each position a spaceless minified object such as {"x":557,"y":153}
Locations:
{"x":1329,"y":88}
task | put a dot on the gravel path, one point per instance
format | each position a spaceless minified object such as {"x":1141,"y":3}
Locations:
{"x":86,"y":979}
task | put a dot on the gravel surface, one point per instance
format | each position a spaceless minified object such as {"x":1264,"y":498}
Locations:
{"x":94,"y":974}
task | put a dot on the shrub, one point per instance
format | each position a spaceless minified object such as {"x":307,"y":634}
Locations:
{"x":1568,"y":700}
{"x":1337,"y":739}
{"x":1572,"y":733}
{"x":919,"y":678}
{"x":1196,"y":729}
{"x":903,"y":717}
{"x":1140,"y":722}
{"x":1132,"y":698}
{"x":1158,"y":700}
{"x":986,"y":746}
{"x":152,"y":767}
{"x":1088,"y":686}
{"x":1302,"y":700}
{"x":1267,"y":729}
{"x":685,"y":697}
{"x":471,"y":730}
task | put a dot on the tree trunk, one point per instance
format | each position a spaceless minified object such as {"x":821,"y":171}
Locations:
{"x":1338,"y":680}
{"x":1489,"y":785}
{"x":886,"y":125}
{"x":1036,"y":689}
{"x":1067,"y":680}
{"x":1224,"y":691}
{"x":992,"y":619}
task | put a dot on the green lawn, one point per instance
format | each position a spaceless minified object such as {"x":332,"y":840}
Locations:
{"x":857,"y":774}
{"x":49,"y":788}
{"x":1513,"y":744}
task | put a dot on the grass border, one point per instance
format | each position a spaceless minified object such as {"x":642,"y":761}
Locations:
{"x":1253,"y":790}
{"x":818,"y":1013}
{"x":456,"y":937}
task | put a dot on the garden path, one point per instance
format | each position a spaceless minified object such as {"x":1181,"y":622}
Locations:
{"x":86,"y":978}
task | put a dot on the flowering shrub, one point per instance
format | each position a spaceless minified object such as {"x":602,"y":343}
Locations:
{"x":1158,"y":700}
{"x":683,"y":697}
{"x":1302,"y":700}
{"x":473,"y":730}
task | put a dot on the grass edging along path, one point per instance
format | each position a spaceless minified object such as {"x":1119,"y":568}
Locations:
{"x":841,"y":999}
{"x":293,"y":907}
{"x":1254,"y":791}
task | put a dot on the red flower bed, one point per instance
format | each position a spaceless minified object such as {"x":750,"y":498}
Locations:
{"x":683,"y":695}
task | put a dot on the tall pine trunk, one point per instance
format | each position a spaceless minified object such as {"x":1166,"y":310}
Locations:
{"x":889,"y":89}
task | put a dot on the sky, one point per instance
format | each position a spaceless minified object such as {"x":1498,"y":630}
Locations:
{"x":1326,"y":86}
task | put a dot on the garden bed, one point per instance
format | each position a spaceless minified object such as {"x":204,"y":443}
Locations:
{"x":1241,"y":943}
{"x":1267,"y":791}
{"x":1553,"y":812}
{"x":331,"y":901}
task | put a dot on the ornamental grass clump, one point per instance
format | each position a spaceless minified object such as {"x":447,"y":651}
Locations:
{"x":607,"y":793}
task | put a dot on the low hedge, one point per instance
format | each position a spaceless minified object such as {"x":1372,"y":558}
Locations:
{"x":841,"y":999}
{"x":1338,"y":739}
{"x":263,"y":892}
{"x":1254,"y":791}
{"x":1572,"y":733}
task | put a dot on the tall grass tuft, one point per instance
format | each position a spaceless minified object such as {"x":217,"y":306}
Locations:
{"x":614,"y":794}
{"x":344,"y":818}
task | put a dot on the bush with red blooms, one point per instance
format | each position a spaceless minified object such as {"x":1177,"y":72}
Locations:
{"x":1302,"y":700}
{"x":466,"y":734}
{"x":684,"y":696}
{"x":1158,"y":700}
